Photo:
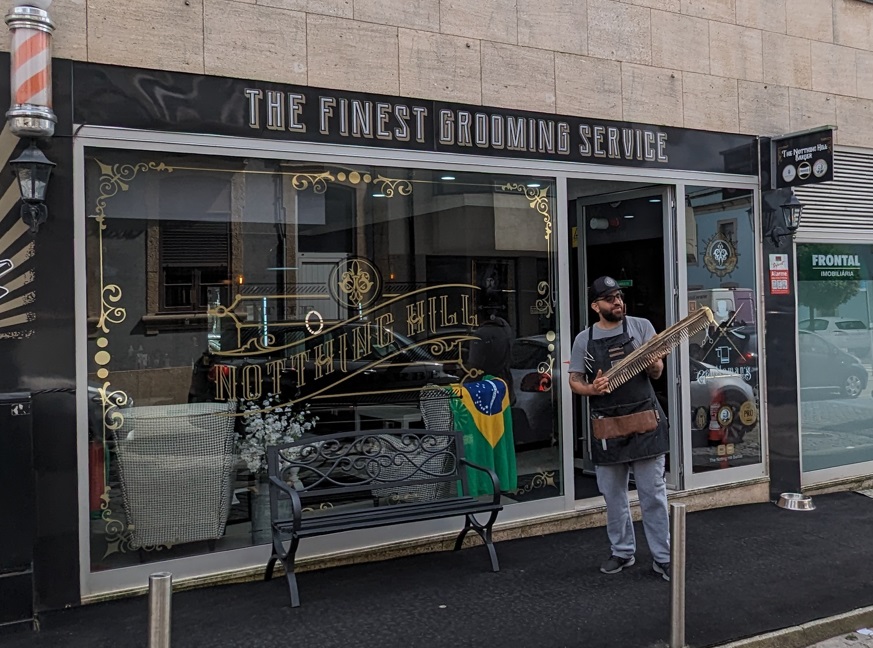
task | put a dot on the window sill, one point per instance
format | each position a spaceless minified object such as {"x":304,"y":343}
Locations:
{"x":157,"y":323}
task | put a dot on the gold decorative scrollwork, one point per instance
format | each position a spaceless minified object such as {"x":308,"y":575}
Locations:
{"x":110,"y":295}
{"x":116,"y":177}
{"x":441,"y":346}
{"x":540,"y":480}
{"x":390,"y":186}
{"x":318,"y":181}
{"x":543,"y":305}
{"x":112,"y":402}
{"x":260,"y":343}
{"x":117,"y":538}
{"x":545,"y":368}
{"x":117,"y":534}
{"x":322,"y":506}
{"x":538,"y":199}
{"x":471,"y":374}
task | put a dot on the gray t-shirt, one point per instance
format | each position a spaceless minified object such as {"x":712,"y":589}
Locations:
{"x":640,"y":331}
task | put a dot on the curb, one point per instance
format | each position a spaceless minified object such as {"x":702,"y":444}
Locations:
{"x":807,"y":634}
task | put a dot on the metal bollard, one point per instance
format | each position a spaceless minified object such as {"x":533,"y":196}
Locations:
{"x":677,"y":576}
{"x":160,"y":599}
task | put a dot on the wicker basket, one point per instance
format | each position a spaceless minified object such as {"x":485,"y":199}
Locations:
{"x":176,"y":465}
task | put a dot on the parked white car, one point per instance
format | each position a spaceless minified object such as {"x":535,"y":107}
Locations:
{"x":852,"y":335}
{"x":710,"y":384}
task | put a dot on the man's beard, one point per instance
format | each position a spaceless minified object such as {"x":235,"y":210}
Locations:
{"x":610,"y":316}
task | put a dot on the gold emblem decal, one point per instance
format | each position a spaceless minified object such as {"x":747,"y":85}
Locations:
{"x":725,"y":416}
{"x":748,"y":413}
{"x":355,"y":282}
{"x":701,"y":418}
{"x":720,"y":256}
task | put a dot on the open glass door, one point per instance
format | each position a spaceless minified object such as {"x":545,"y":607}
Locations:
{"x":629,"y":236}
{"x":723,"y":438}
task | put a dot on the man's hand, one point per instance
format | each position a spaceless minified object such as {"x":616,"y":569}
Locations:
{"x":600,"y":384}
{"x":656,"y":368}
{"x":581,"y":386}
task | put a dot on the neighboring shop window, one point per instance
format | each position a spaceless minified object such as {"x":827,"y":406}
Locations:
{"x":195,"y":257}
{"x":834,"y":343}
{"x":724,"y":382}
{"x":223,"y":285}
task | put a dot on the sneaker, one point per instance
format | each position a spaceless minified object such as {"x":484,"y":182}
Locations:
{"x":662,"y":568}
{"x":616,"y":564}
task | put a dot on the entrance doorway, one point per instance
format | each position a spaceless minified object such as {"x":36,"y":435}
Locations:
{"x":626,"y":235}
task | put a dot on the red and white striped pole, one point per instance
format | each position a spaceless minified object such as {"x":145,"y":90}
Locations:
{"x":31,"y":112}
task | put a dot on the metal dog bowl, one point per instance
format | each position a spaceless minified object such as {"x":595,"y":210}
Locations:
{"x":795,"y":502}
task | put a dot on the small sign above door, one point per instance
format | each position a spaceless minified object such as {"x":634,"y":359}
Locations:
{"x":804,"y":158}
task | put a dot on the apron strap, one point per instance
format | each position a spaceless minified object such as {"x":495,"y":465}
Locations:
{"x":623,"y":329}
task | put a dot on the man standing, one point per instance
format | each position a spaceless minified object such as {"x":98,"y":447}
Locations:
{"x":629,"y":427}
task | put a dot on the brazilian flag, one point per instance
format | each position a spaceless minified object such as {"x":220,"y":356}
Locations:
{"x":483,"y":414}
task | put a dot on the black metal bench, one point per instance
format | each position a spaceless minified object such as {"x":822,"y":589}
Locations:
{"x":359,"y":480}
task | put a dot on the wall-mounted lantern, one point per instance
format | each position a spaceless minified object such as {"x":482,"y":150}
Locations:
{"x":786,"y":221}
{"x":33,"y":170}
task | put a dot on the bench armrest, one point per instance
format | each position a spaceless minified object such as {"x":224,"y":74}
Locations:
{"x":296,"y":504}
{"x":495,"y":480}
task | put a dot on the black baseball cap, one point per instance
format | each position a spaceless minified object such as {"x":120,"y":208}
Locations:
{"x":601,"y":287}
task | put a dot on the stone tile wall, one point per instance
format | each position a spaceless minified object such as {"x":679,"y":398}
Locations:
{"x":753,"y":66}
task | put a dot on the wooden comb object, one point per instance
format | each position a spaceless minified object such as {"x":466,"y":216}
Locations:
{"x":660,"y":345}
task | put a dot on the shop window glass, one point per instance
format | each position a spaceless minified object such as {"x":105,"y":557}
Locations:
{"x":834,"y":343}
{"x":195,"y":257}
{"x":723,"y":378}
{"x":217,"y":284}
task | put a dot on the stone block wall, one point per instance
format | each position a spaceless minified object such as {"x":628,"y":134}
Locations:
{"x":751,"y":66}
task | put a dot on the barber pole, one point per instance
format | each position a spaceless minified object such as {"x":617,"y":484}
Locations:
{"x":31,"y":113}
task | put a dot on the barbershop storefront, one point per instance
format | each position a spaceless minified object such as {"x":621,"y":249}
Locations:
{"x":320,"y":260}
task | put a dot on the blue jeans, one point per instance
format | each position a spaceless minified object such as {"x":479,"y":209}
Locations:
{"x":612,"y":481}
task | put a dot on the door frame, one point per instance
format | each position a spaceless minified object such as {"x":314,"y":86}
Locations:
{"x":692,"y":480}
{"x":667,"y":195}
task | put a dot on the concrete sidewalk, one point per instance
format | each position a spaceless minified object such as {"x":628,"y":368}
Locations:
{"x":850,"y":630}
{"x":852,"y":639}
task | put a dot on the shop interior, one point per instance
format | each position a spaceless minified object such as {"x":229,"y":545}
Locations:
{"x":617,"y":230}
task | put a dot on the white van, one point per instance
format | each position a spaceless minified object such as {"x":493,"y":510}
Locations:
{"x":721,"y":301}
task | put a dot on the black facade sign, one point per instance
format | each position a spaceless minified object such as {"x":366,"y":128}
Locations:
{"x":169,"y":101}
{"x":806,"y":158}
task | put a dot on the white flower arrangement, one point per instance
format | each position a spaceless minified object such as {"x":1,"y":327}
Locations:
{"x":267,"y":423}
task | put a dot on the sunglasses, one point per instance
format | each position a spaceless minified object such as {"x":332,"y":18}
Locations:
{"x":614,"y":297}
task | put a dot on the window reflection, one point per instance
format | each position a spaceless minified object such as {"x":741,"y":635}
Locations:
{"x":216,"y":285}
{"x":834,"y":344}
{"x":724,"y":382}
